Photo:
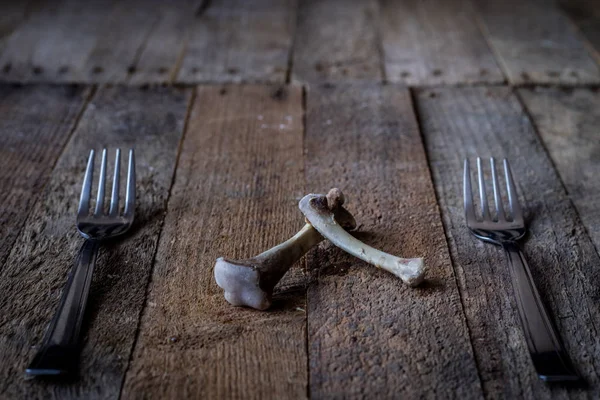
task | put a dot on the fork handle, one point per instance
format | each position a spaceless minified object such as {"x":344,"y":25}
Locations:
{"x":548,"y":355}
{"x":59,"y":354}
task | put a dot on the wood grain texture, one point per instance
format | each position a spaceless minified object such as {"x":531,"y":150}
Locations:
{"x":239,"y":179}
{"x":35,"y":272}
{"x":54,"y":42}
{"x":337,"y":40}
{"x":370,"y":335}
{"x":568,"y":121}
{"x":240,"y":41}
{"x":95,"y":41}
{"x":470,"y":122}
{"x":159,"y":60}
{"x":536,"y":43}
{"x":586,"y":16}
{"x":121,"y":40}
{"x":435,"y":42}
{"x":35,"y":125}
{"x":13,"y":13}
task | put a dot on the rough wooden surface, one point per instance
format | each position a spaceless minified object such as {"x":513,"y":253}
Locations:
{"x":435,"y":42}
{"x":54,"y":42}
{"x":161,"y":56}
{"x":470,"y":122}
{"x":568,"y":123}
{"x":238,"y":182}
{"x":120,"y":40}
{"x":369,"y":334}
{"x":586,"y":16}
{"x":12,"y":15}
{"x":337,"y":40}
{"x":240,"y":41}
{"x":35,"y":125}
{"x":34,"y":274}
{"x":535,"y":42}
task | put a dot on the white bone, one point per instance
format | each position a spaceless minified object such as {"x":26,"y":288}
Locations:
{"x":315,"y":209}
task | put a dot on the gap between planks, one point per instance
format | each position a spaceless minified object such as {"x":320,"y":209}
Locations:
{"x":149,"y":282}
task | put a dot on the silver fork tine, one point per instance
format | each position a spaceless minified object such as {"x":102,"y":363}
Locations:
{"x":130,"y":195}
{"x":101,"y":185}
{"x":497,"y":197}
{"x":468,"y":193}
{"x":86,"y":190}
{"x":114,"y":198}
{"x":515,"y":207}
{"x":485,"y":212}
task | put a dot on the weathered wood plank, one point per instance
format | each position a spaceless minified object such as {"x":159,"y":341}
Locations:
{"x":121,"y":40}
{"x":161,"y":55}
{"x":568,"y":121}
{"x":54,"y":42}
{"x":35,"y":272}
{"x":470,"y":122}
{"x":435,"y":42}
{"x":536,"y":43}
{"x":369,"y":334}
{"x":238,"y":182}
{"x":35,"y":125}
{"x":337,"y":40}
{"x":240,"y":41}
{"x":13,"y":13}
{"x":586,"y":16}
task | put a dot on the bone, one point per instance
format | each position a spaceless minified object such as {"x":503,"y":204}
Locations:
{"x":320,"y":216}
{"x":251,"y":282}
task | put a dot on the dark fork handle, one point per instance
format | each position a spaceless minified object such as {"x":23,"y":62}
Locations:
{"x":547,"y":353}
{"x":59,"y":354}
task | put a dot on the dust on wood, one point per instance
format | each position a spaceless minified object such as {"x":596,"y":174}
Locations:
{"x":36,"y":123}
{"x":536,"y":43}
{"x":238,"y":182}
{"x":568,"y":121}
{"x":370,"y":335}
{"x":159,"y":59}
{"x":435,"y":42}
{"x":470,"y":122}
{"x":337,"y":40}
{"x":240,"y":41}
{"x":35,"y":272}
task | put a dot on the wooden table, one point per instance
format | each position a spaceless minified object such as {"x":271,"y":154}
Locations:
{"x":236,"y":110}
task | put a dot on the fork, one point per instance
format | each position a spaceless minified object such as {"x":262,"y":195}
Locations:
{"x":59,"y":353}
{"x":546,"y":351}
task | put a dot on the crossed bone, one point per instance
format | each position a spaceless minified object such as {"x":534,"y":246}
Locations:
{"x":250,"y":282}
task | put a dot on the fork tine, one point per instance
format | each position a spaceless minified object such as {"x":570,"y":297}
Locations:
{"x":114,"y":198}
{"x":101,"y":185}
{"x":485,"y":212}
{"x":130,"y":195}
{"x":468,"y":193}
{"x":513,"y":200}
{"x":497,"y":197}
{"x":86,"y":189}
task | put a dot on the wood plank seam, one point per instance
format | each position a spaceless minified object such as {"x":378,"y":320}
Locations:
{"x":290,"y":60}
{"x":162,"y":222}
{"x":486,"y":36}
{"x":595,"y":53}
{"x":186,"y":38}
{"x":379,"y":39}
{"x":536,"y":128}
{"x":131,"y":70}
{"x":84,"y":105}
{"x":414,"y":102}
{"x":305,"y":259}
